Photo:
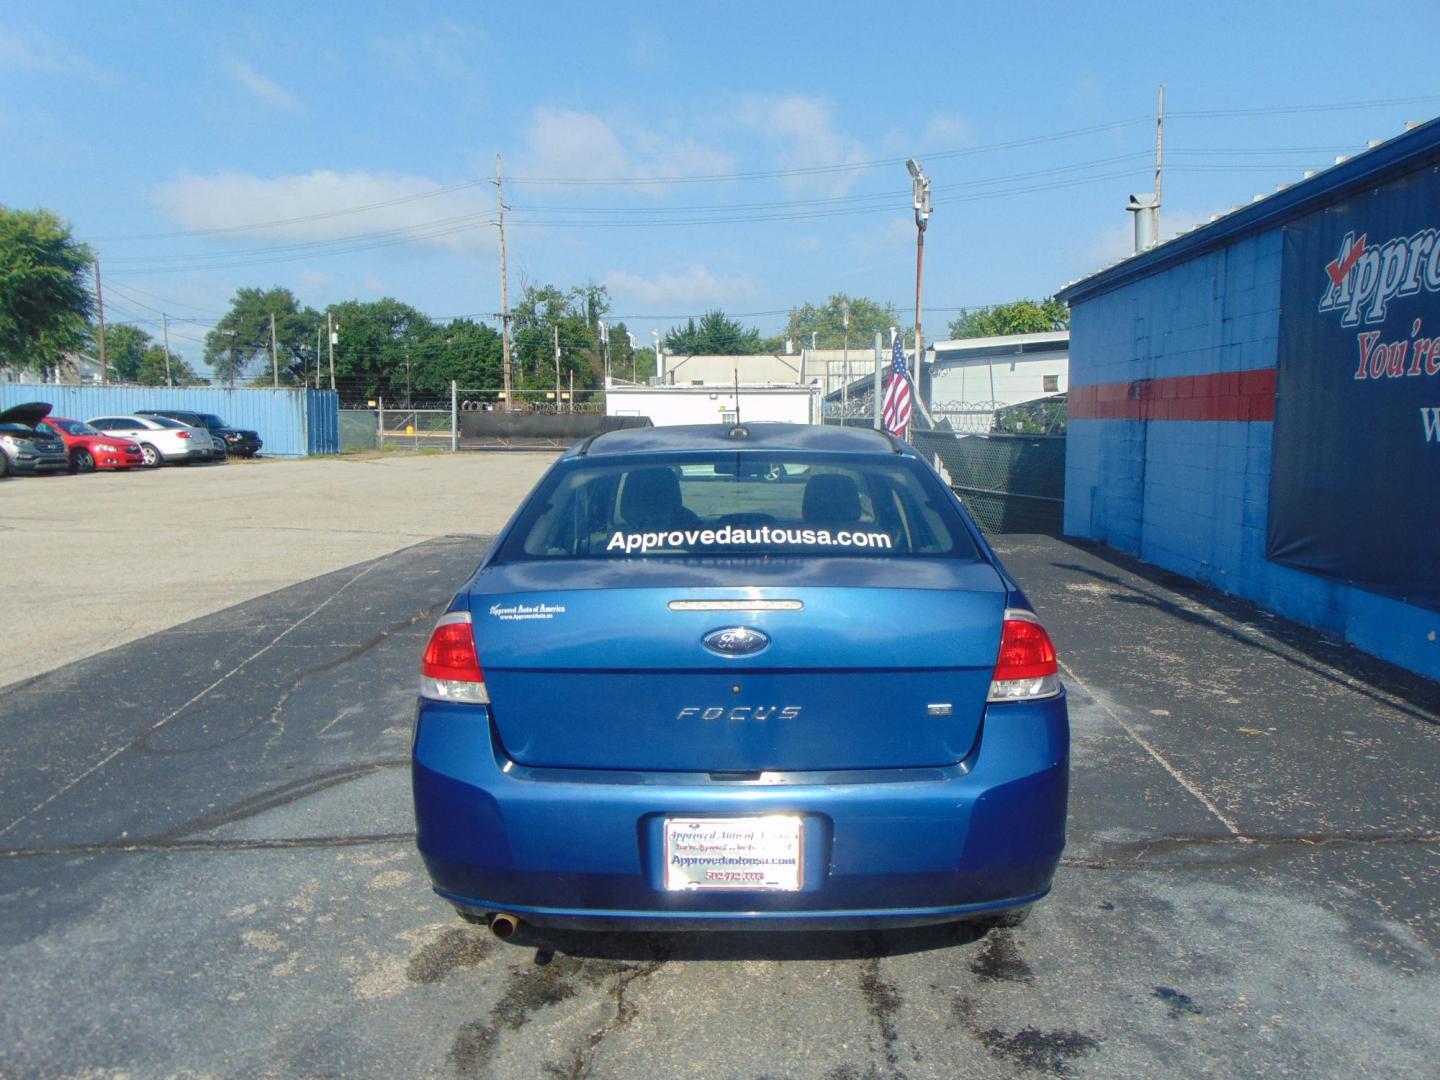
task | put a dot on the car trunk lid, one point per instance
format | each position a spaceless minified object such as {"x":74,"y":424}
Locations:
{"x":869,"y":663}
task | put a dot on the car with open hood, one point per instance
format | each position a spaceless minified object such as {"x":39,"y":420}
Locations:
{"x":26,"y":445}
{"x":740,"y":676}
{"x":91,"y":449}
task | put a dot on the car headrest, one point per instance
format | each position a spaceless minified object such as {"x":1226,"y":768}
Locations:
{"x":831,"y":497}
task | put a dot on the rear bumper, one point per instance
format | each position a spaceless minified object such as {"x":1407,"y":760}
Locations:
{"x":575,"y":848}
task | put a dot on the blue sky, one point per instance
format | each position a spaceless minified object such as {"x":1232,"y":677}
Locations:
{"x":741,"y":156}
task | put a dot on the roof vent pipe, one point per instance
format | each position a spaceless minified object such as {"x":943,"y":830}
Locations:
{"x":1143,"y":207}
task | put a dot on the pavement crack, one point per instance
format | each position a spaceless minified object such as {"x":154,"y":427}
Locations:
{"x":138,"y":847}
{"x":625,"y":1012}
{"x":1253,"y":848}
{"x":148,"y":732}
{"x":882,"y":1002}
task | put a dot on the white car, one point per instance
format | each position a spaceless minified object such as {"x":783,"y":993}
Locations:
{"x":161,"y":440}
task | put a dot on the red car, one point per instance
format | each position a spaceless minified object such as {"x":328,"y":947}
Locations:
{"x":90,"y":449}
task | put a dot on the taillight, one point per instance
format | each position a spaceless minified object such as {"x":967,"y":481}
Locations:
{"x":450,"y":669}
{"x":1026,"y":668}
{"x":182,"y":434}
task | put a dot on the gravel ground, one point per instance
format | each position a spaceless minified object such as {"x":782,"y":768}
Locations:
{"x":111,"y":557}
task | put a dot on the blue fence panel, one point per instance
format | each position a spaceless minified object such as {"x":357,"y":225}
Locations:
{"x":322,"y":410}
{"x":292,"y":423}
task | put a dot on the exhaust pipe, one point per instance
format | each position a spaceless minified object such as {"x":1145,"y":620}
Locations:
{"x":503,"y":926}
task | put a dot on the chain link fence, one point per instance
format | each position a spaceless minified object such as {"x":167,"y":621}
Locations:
{"x":1009,"y":483}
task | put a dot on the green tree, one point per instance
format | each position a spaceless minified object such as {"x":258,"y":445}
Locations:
{"x":827,"y":322}
{"x":381,"y":345}
{"x":544,"y":309}
{"x":241,"y":339}
{"x":44,"y":302}
{"x":125,"y":347}
{"x":465,"y":352}
{"x":715,"y":334}
{"x":151,"y":369}
{"x":1017,"y":317}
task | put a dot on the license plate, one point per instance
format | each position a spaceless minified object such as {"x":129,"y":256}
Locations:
{"x":733,"y":853}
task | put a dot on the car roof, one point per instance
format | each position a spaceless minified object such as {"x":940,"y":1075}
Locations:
{"x":809,"y":438}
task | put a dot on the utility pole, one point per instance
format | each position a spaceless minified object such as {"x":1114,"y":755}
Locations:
{"x":274,"y":355}
{"x":165,"y":325}
{"x":845,"y":363}
{"x":556,"y":329}
{"x":100,"y":309}
{"x":504,"y":287}
{"x":921,"y":199}
{"x":317,"y":356}
{"x":330,"y":333}
{"x":1159,"y":156}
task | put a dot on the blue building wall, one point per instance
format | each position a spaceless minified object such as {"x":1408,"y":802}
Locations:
{"x":292,"y":423}
{"x":1192,"y":496}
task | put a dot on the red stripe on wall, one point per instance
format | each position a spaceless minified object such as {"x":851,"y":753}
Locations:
{"x":1230,"y":395}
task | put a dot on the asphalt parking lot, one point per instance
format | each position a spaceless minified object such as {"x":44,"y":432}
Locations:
{"x":206,"y":868}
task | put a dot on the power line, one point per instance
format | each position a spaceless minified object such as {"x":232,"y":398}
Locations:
{"x":1276,"y":110}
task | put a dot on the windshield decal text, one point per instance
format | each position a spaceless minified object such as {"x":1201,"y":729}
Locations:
{"x":732,"y":536}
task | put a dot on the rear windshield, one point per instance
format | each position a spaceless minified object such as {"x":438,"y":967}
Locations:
{"x":739,"y":504}
{"x":166,"y":422}
{"x":74,"y":427}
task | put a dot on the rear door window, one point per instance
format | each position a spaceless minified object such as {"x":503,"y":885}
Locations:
{"x":739,"y":504}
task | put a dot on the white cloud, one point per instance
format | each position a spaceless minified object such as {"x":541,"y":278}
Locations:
{"x":32,"y":50}
{"x":945,"y":132}
{"x":803,"y":134}
{"x":583,"y":146}
{"x":450,"y":51}
{"x":260,"y":85}
{"x":373,"y":285}
{"x":312,"y":279}
{"x":694,"y":288}
{"x":312,"y":207}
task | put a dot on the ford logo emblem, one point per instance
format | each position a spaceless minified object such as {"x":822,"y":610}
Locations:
{"x":736,"y":641}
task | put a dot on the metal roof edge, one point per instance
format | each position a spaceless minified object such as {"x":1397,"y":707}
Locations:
{"x":1403,"y":153}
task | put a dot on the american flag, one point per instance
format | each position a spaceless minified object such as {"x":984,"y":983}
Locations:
{"x":895,"y":407}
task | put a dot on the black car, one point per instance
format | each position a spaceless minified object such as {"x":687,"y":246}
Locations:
{"x":237,"y":443}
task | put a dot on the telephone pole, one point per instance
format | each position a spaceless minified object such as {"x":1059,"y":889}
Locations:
{"x":504,"y":287}
{"x":274,"y":355}
{"x":556,"y":329}
{"x":317,"y":356}
{"x":100,"y":310}
{"x":165,"y":325}
{"x":1159,"y":156}
{"x":330,"y":333}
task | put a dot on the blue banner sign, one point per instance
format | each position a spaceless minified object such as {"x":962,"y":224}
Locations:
{"x":1355,"y":476}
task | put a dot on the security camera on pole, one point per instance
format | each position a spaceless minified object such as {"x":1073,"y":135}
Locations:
{"x":920,"y":196}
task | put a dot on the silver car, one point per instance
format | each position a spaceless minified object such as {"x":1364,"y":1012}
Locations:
{"x":162,"y":441}
{"x":27,"y":448}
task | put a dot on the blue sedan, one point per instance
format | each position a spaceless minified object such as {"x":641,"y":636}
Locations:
{"x":740,"y":677}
